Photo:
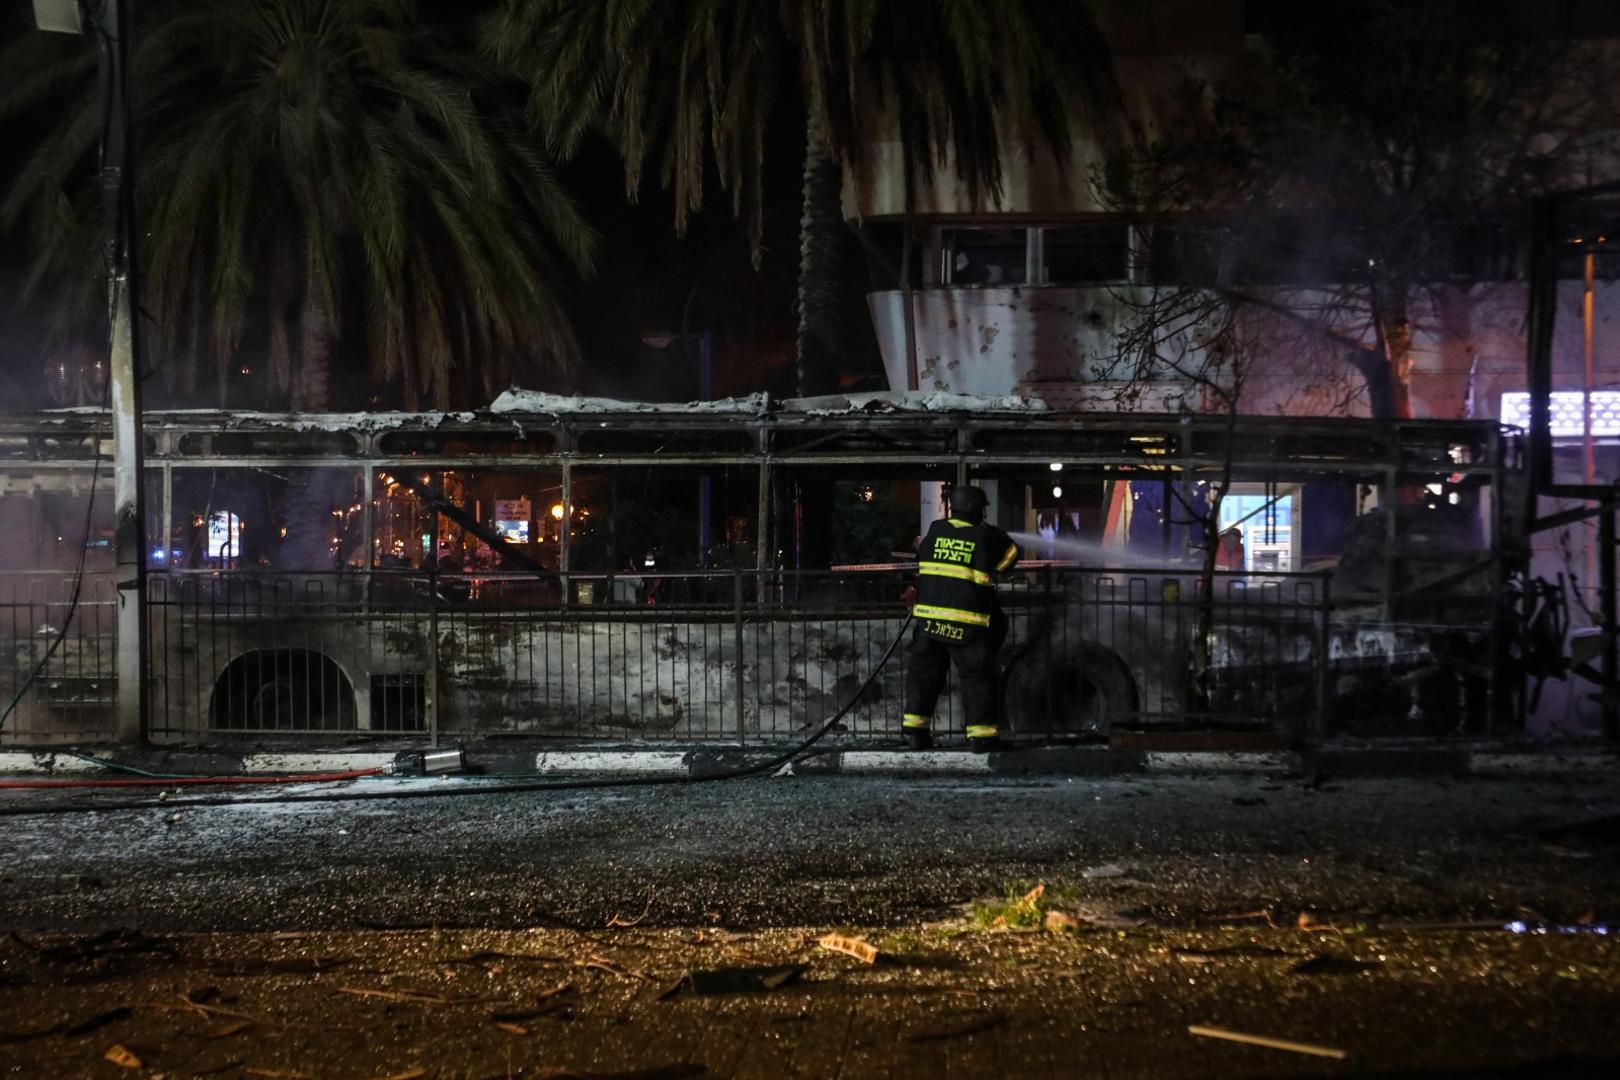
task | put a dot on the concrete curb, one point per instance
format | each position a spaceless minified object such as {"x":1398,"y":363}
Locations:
{"x":1338,"y":762}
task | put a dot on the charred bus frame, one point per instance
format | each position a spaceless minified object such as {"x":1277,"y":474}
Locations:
{"x":780,"y":440}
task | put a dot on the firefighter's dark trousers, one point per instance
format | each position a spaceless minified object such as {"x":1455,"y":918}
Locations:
{"x":930,"y":661}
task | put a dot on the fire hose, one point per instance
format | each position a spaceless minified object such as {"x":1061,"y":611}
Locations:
{"x":435,"y":791}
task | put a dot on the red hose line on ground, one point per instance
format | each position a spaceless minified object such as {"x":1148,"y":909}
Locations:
{"x":187,"y":781}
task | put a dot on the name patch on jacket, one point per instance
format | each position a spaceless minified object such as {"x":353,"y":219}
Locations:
{"x":950,"y":549}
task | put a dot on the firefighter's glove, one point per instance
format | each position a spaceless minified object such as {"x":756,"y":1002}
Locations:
{"x":909,"y":597}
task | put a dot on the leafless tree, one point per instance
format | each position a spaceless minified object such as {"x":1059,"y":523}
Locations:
{"x":1365,"y":158}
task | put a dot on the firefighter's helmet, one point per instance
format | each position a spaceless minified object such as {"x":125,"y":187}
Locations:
{"x":969,"y":502}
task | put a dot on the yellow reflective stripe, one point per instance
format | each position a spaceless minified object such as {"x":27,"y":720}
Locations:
{"x":1009,"y":558}
{"x":959,"y":523}
{"x":951,"y":570}
{"x":913,"y":720}
{"x":981,"y":731}
{"x":950,"y":614}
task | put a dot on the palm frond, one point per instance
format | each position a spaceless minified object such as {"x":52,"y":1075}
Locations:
{"x":289,"y":152}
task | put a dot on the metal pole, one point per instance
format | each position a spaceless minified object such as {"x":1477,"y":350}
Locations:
{"x":1324,"y":658}
{"x":706,"y":482}
{"x":762,"y":540}
{"x":430,"y":692}
{"x":1611,"y":648}
{"x":737,"y":645}
{"x":1538,"y":341}
{"x":563,"y":531}
{"x":1389,"y":499}
{"x":117,"y":191}
{"x":908,"y":297}
{"x":166,"y":524}
{"x":1588,"y":464}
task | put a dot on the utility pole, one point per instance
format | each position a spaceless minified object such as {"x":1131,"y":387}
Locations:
{"x":111,"y":22}
{"x":1588,"y":456}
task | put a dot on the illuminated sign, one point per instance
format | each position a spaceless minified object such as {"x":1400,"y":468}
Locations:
{"x":1566,"y":411}
{"x":224,"y":535}
{"x":512,"y":520}
{"x":516,"y":532}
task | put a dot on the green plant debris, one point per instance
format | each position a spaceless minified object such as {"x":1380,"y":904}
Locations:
{"x":1023,"y":908}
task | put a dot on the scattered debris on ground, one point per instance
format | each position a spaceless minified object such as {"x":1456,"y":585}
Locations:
{"x":859,"y":948}
{"x":1267,"y":1041}
{"x":559,"y":1003}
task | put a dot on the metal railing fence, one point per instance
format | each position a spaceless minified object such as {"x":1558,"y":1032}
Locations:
{"x":733,"y":657}
{"x":74,"y":688}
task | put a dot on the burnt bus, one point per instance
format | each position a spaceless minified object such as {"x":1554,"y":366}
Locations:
{"x":732,"y":571}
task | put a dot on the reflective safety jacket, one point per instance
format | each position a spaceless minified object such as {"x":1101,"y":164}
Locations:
{"x":956,"y":567}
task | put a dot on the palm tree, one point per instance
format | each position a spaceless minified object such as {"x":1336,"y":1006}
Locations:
{"x":313,"y":174}
{"x":695,"y":82}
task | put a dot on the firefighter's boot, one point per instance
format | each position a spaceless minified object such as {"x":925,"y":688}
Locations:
{"x":984,"y":738}
{"x":915,"y":731}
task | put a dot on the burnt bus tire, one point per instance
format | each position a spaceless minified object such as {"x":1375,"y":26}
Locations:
{"x":1079,"y":689}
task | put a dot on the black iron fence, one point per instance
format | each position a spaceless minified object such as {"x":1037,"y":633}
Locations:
{"x":726,"y":657}
{"x":58,"y":656}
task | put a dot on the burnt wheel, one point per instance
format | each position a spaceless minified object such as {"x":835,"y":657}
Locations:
{"x":1081,"y":689}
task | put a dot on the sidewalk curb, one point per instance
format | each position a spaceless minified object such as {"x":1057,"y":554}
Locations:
{"x":698,"y":762}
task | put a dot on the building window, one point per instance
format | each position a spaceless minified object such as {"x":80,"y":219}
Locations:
{"x":972,"y":256}
{"x":1184,"y":254}
{"x":1084,"y":254}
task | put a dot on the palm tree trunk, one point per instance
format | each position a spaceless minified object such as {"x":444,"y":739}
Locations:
{"x":312,"y":494}
{"x":310,"y":383}
{"x":821,"y":236}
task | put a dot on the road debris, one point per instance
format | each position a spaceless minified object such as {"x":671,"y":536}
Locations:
{"x":1267,"y":1041}
{"x":1061,"y":920}
{"x":1242,"y":916}
{"x":859,"y":948}
{"x":99,"y":1020}
{"x":1106,"y":870}
{"x":554,"y":1000}
{"x":123,"y":1057}
{"x":8,"y":1038}
{"x":618,"y":922}
{"x":599,"y":963}
{"x":1327,"y":964}
{"x":682,"y":1071}
{"x":412,"y":997}
{"x":743,"y":980}
{"x":1016,"y":912}
{"x":485,"y":956}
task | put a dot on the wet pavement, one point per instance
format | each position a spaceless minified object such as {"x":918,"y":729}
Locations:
{"x":798,"y":851}
{"x":430,"y":937}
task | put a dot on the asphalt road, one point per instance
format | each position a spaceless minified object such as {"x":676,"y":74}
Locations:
{"x":798,"y":851}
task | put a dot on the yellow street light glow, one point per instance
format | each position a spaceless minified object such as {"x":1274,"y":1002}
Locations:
{"x":557,"y":511}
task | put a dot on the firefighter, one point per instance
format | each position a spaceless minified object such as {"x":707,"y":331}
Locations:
{"x":958,"y":620}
